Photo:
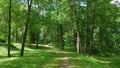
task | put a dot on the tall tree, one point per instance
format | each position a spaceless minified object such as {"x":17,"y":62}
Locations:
{"x":61,"y":35}
{"x":60,"y":23}
{"x":100,"y":39}
{"x":87,"y":27}
{"x":26,"y":27}
{"x":9,"y":29}
{"x":16,"y":30}
{"x":93,"y":27}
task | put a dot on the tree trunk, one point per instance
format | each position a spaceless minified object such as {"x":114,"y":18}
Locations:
{"x":91,"y":42}
{"x":100,"y":39}
{"x":26,"y":27}
{"x":37,"y":39}
{"x":61,"y":34}
{"x":23,"y":29}
{"x":79,"y":46}
{"x":74,"y":41}
{"x":16,"y":34}
{"x":78,"y":43}
{"x":9,"y":29}
{"x":86,"y":43}
{"x":45,"y":38}
{"x":92,"y":38}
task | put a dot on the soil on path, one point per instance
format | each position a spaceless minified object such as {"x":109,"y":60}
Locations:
{"x":65,"y":63}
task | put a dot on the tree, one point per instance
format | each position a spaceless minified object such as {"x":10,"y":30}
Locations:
{"x":92,"y":31}
{"x":87,"y":27}
{"x":26,"y":27}
{"x":9,"y":29}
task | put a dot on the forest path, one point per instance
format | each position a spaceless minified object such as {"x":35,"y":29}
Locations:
{"x":65,"y":63}
{"x":64,"y":60}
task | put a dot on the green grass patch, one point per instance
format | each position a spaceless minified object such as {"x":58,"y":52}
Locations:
{"x":33,"y":58}
{"x":54,"y":62}
{"x":81,"y":61}
{"x":44,"y":57}
{"x":69,"y":48}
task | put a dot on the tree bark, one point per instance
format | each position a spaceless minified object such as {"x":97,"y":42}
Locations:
{"x":26,"y":27}
{"x":16,"y":34}
{"x":100,"y":39}
{"x":78,"y":43}
{"x":86,"y":43}
{"x":61,"y":35}
{"x":93,"y":27}
{"x":37,"y":39}
{"x":79,"y":46}
{"x":23,"y":29}
{"x":45,"y":38}
{"x":91,"y":42}
{"x":74,"y":41}
{"x":9,"y":29}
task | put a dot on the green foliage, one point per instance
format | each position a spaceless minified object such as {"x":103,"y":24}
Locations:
{"x":2,"y":41}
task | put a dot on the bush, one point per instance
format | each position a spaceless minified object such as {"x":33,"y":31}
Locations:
{"x":2,"y":40}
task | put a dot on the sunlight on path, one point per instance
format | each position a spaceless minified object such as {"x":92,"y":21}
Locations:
{"x":51,"y":47}
{"x":65,"y":63}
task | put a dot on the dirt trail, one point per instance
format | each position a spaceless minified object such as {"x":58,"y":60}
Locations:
{"x":65,"y":63}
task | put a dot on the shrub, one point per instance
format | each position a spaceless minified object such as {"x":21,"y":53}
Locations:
{"x":2,"y":40}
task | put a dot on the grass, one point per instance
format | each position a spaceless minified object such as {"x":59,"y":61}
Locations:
{"x":66,"y":47}
{"x":33,"y":58}
{"x":44,"y":57}
{"x":81,"y":61}
{"x":54,"y":62}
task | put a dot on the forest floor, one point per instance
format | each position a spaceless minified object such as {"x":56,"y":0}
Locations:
{"x":67,"y":59}
{"x":65,"y":63}
{"x":51,"y":57}
{"x":64,"y":60}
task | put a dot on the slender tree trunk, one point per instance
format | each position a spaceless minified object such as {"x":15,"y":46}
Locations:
{"x":37,"y":39}
{"x":45,"y":38}
{"x":9,"y":29}
{"x":45,"y":34}
{"x":61,"y":40}
{"x":86,"y":43}
{"x":16,"y":34}
{"x":37,"y":34}
{"x":79,"y":46}
{"x":100,"y":39}
{"x":26,"y":27}
{"x":78,"y":43}
{"x":23,"y":29}
{"x":74,"y":41}
{"x":61,"y":35}
{"x":91,"y":42}
{"x":92,"y":38}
